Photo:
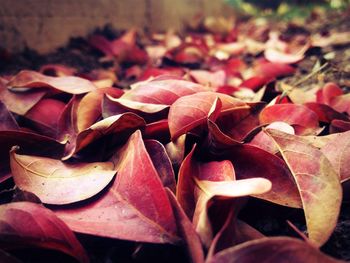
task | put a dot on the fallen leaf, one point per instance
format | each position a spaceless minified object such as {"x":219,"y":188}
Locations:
{"x":161,"y":91}
{"x":24,"y":224}
{"x":303,"y":120}
{"x":337,"y":152}
{"x":162,"y":163}
{"x":272,"y":249}
{"x":57,"y":183}
{"x":47,"y":112}
{"x":30,"y":143}
{"x":186,"y":230}
{"x":118,"y":126}
{"x":19,"y":102}
{"x":8,"y":122}
{"x":32,"y":79}
{"x":191,"y":111}
{"x":89,"y":109}
{"x":317,"y":181}
{"x":121,"y":212}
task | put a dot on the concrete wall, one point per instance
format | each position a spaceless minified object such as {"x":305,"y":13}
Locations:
{"x":47,"y":24}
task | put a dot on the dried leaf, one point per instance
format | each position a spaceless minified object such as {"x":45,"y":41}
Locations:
{"x":24,"y":224}
{"x":121,"y":212}
{"x":272,"y":249}
{"x":55,"y":182}
{"x":33,"y":79}
{"x":317,"y":181}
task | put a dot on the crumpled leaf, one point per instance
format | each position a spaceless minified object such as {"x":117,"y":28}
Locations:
{"x":33,"y":79}
{"x":25,"y":224}
{"x":120,"y":212}
{"x":55,"y":182}
{"x":317,"y":181}
{"x":272,"y":249}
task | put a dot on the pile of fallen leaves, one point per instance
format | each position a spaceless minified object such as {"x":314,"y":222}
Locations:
{"x":89,"y":164}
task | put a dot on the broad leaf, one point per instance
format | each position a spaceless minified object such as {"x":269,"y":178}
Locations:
{"x":187,"y":231}
{"x":19,"y":102}
{"x":24,"y":224}
{"x":304,"y":120}
{"x":272,"y":249}
{"x":135,"y":207}
{"x":33,"y":79}
{"x":55,"y":182}
{"x":318,"y":184}
{"x":161,"y":91}
{"x":162,"y":163}
{"x":337,"y":151}
{"x":191,"y":111}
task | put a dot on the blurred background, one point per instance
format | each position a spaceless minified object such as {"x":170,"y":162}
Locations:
{"x":44,"y":25}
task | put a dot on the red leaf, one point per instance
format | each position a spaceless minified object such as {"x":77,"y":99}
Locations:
{"x":250,"y":161}
{"x":33,"y":79}
{"x":149,"y":112}
{"x":135,"y":207}
{"x":272,"y":249}
{"x":161,"y":91}
{"x":325,"y":113}
{"x":337,"y":151}
{"x":191,"y":111}
{"x":341,"y":103}
{"x":328,"y":92}
{"x":162,"y":163}
{"x":304,"y":120}
{"x":89,"y":109}
{"x":273,"y":70}
{"x":187,"y":231}
{"x":255,"y":83}
{"x":339,"y":126}
{"x":55,"y":182}
{"x":19,"y":102}
{"x":24,"y":224}
{"x":47,"y":112}
{"x":118,"y":126}
{"x":8,"y":122}
{"x":317,"y":181}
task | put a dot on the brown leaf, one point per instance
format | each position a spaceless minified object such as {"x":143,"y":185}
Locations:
{"x":24,"y":224}
{"x":55,"y":182}
{"x":8,"y":122}
{"x":30,"y":143}
{"x":19,"y":102}
{"x":274,"y":250}
{"x":33,"y":79}
{"x":337,"y":151}
{"x":318,"y":183}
